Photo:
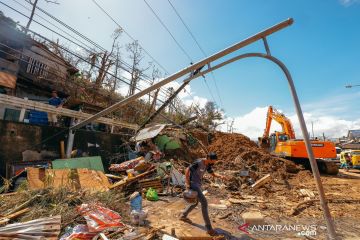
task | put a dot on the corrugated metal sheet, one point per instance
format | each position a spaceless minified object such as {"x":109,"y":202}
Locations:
{"x":149,"y":132}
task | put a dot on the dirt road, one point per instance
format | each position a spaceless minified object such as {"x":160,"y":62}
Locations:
{"x":342,"y":191}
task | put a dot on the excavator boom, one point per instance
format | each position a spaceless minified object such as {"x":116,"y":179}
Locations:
{"x":279,"y":117}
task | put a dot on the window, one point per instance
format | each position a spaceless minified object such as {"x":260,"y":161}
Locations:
{"x":11,"y":114}
{"x":37,"y":68}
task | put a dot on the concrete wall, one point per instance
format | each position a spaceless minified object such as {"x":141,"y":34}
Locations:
{"x":16,"y":137}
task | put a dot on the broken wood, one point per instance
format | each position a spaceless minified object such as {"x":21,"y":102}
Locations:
{"x":225,"y":216}
{"x":307,"y":193}
{"x":23,"y":205}
{"x":14,"y":215}
{"x":235,"y":201}
{"x":114,"y":176}
{"x":103,"y":237}
{"x":295,"y":209}
{"x":261,"y":182}
{"x":121,"y":230}
{"x":8,"y":194}
{"x":218,"y":206}
{"x":127,"y":181}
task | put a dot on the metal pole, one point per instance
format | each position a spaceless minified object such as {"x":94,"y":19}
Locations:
{"x":70,"y":143}
{"x":329,"y":222}
{"x":314,"y":167}
{"x":187,"y":70}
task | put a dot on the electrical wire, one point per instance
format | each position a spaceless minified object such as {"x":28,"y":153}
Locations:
{"x":199,"y":46}
{"x":87,"y":46}
{"x":167,"y":29}
{"x":131,"y":37}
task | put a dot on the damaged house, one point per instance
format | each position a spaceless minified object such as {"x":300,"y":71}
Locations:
{"x":29,"y":72}
{"x":28,"y":69}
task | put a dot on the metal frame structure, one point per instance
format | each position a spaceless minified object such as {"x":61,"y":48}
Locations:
{"x":192,"y":70}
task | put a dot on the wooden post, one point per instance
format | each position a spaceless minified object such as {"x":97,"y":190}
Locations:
{"x":62,"y":149}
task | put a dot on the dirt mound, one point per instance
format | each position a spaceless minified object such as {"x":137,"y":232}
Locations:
{"x":238,"y":152}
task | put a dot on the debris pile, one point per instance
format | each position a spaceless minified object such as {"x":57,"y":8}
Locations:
{"x":239,"y":153}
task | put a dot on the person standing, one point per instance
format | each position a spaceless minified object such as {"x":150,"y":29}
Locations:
{"x":58,"y":103}
{"x":193,"y":181}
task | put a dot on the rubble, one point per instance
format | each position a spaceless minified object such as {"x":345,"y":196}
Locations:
{"x":256,"y":180}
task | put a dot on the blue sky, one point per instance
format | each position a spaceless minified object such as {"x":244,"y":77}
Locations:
{"x":321,"y":49}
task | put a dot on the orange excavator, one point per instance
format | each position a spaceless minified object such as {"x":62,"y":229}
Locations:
{"x":284,"y":144}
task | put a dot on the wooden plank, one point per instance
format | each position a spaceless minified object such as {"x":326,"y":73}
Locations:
{"x":14,"y":215}
{"x":122,"y":183}
{"x":262,"y":181}
{"x":28,"y":104}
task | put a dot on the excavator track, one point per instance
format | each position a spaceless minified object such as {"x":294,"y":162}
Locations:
{"x":327,"y":167}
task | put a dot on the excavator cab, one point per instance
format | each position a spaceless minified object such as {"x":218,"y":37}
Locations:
{"x":275,"y":138}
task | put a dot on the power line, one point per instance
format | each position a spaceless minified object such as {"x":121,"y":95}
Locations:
{"x":54,"y":25}
{"x":199,"y":46}
{"x":132,"y":38}
{"x":207,"y":86}
{"x":167,"y":29}
{"x":187,"y":27}
{"x":82,"y":36}
{"x":178,"y":44}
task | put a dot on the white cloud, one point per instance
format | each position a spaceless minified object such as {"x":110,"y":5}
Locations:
{"x":197,"y":101}
{"x":175,"y":85}
{"x":252,"y":124}
{"x":347,"y":3}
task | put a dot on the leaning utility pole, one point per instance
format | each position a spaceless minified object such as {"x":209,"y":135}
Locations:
{"x":31,"y":15}
{"x":214,"y":59}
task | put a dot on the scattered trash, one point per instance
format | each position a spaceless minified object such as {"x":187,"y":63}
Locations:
{"x":99,"y":218}
{"x":138,"y":217}
{"x":152,"y":183}
{"x":136,"y":201}
{"x":152,"y":195}
{"x":122,"y":167}
{"x":80,"y":231}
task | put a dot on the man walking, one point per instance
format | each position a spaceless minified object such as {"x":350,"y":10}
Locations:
{"x":193,"y":181}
